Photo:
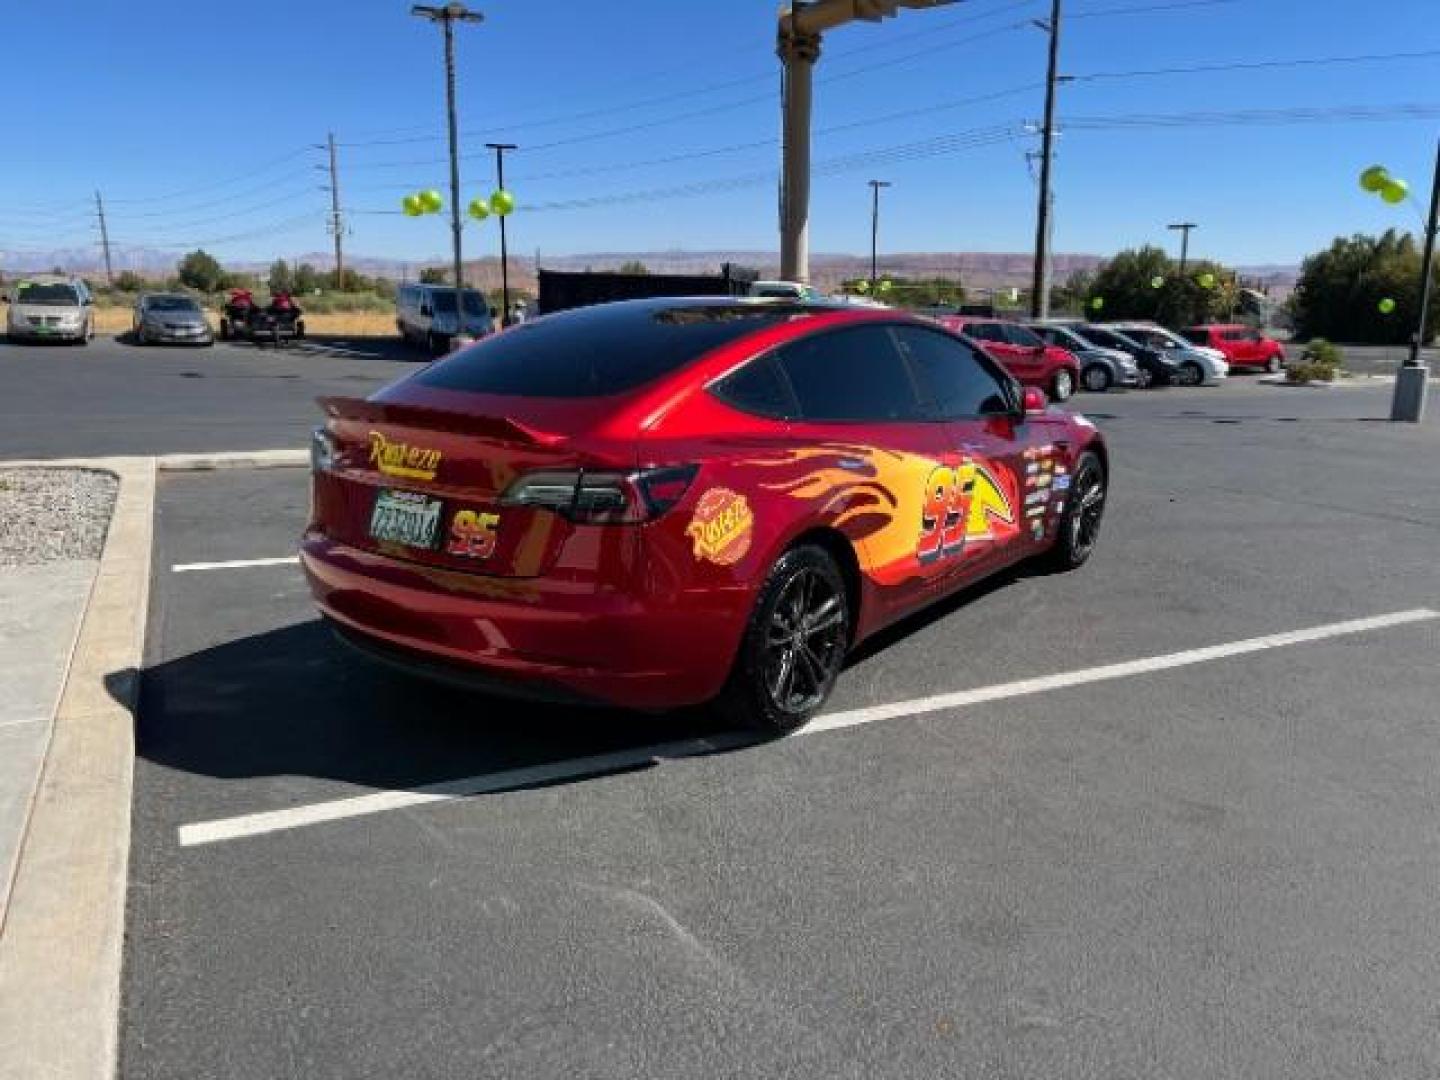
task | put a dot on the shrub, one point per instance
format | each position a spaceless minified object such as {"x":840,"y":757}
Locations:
{"x":1311,"y":371}
{"x":1320,"y":351}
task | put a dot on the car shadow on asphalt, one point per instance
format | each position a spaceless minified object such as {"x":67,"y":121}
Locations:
{"x":296,"y":702}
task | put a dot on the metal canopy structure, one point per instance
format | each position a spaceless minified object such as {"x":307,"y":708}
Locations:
{"x":801,"y":25}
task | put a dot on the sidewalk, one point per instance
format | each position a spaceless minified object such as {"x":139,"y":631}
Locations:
{"x":40,"y":609}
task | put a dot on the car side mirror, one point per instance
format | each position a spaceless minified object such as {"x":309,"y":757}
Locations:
{"x":1033,"y":401}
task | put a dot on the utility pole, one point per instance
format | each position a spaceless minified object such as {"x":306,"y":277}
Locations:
{"x":1184,"y":227}
{"x":1408,"y":402}
{"x":500,"y":149}
{"x":104,"y":239}
{"x":875,"y":186}
{"x":337,"y":222}
{"x":1040,"y":289}
{"x":447,"y":17}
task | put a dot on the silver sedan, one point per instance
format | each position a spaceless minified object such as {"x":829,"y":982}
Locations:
{"x":170,"y":317}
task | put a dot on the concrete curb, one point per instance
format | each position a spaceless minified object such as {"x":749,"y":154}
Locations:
{"x":242,"y":459}
{"x":61,"y":945}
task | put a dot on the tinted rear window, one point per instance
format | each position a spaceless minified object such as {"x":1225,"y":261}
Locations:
{"x":595,"y":351}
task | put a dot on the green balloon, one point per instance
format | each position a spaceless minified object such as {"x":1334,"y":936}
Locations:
{"x":411,"y":205}
{"x":478,"y":209}
{"x":1097,"y":303}
{"x":1207,"y":281}
{"x":1157,"y":281}
{"x":1374,"y":178}
{"x":1387,"y":306}
{"x":862,"y":286}
{"x":886,"y":285}
{"x":430,"y":201}
{"x":502,"y":202}
{"x":1394,"y":190}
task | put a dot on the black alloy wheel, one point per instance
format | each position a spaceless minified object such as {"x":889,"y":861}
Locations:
{"x":794,"y":644}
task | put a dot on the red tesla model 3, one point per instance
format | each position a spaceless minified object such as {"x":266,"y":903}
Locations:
{"x":658,"y":503}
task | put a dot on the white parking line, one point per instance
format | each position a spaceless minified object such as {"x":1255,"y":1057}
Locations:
{"x":233,"y":564}
{"x":235,"y":828}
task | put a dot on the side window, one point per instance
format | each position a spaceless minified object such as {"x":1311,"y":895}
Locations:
{"x":1234,"y":335}
{"x":1251,"y":336}
{"x":1016,"y":334}
{"x":950,"y":375}
{"x":757,"y":388}
{"x":984,"y":332}
{"x":852,"y":374}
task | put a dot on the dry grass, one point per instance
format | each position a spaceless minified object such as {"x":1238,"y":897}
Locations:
{"x":116,"y":320}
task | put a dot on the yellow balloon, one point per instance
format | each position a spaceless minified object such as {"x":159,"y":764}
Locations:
{"x":478,"y":209}
{"x":502,"y":202}
{"x":1387,"y":306}
{"x":411,"y":205}
{"x":1157,"y":281}
{"x":430,"y":201}
{"x":1097,"y":303}
{"x":1373,"y":178}
{"x":1394,"y":190}
{"x":1207,"y":281}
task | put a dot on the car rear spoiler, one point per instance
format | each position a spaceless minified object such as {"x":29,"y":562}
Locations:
{"x":432,"y":419}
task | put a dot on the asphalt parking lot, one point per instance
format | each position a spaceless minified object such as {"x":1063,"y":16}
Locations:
{"x":112,"y":397}
{"x":1045,"y":860}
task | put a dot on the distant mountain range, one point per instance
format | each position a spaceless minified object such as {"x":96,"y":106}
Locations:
{"x":979,"y":270}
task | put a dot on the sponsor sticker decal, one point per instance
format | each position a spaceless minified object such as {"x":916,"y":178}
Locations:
{"x":473,"y":534}
{"x":1062,"y":482}
{"x":1035,"y":497}
{"x":403,"y":459}
{"x":721,"y":527}
{"x":1037,"y":529}
{"x":961,"y":505}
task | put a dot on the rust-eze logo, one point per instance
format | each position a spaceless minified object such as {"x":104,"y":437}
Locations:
{"x":721,"y":526}
{"x":402,"y":459}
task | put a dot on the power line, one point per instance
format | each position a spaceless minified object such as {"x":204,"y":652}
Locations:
{"x":1257,"y":65}
{"x":213,"y":184}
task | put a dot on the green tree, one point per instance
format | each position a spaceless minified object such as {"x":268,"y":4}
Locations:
{"x":385,"y":288}
{"x":129,"y":281}
{"x":200,"y":270}
{"x":633,"y":266}
{"x":1339,"y":292}
{"x":433,"y":275}
{"x":281,"y":278}
{"x":308,"y":279}
{"x":1126,"y":285}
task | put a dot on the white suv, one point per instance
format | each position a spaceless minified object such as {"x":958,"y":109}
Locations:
{"x":50,"y":307}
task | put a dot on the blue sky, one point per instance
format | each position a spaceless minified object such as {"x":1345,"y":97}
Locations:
{"x":198,"y":125}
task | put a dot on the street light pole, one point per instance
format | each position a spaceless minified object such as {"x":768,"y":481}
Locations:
{"x":1408,"y":402}
{"x":1040,"y":287}
{"x":500,"y":149}
{"x":447,"y":16}
{"x":875,"y":186}
{"x":1184,"y":227}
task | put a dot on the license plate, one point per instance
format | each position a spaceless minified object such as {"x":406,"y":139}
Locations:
{"x":406,"y":517}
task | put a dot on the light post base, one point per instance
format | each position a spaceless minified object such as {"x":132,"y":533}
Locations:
{"x":1408,"y":404}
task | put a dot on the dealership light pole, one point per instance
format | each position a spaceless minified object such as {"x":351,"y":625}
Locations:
{"x":875,"y":186}
{"x":500,"y":149}
{"x":1184,"y":228}
{"x":447,"y":16}
{"x":1408,"y":402}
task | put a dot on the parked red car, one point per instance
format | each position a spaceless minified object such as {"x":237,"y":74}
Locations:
{"x":1022,"y":353}
{"x":1243,"y":346}
{"x":656,"y":503}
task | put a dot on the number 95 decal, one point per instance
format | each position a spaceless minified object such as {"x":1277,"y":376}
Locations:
{"x":960,"y":503}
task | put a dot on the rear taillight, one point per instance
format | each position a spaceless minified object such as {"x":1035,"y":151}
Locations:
{"x":602,"y":498}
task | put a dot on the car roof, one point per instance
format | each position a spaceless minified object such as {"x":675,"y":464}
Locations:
{"x":167,"y":296}
{"x":1218,"y":326}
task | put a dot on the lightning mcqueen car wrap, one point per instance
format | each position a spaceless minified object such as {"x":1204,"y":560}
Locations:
{"x":658,"y":503}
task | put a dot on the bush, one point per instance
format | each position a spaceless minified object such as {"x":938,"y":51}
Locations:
{"x":1320,"y":351}
{"x":1311,"y":372}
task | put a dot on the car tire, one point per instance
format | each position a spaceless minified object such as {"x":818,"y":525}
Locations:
{"x":1191,"y":374}
{"x":224,"y":329}
{"x":138,"y":335}
{"x":1062,"y":385}
{"x":437,"y":344}
{"x":1096,"y":378}
{"x":1273,"y":365}
{"x":798,"y":635}
{"x":1079,"y":526}
{"x":299,"y":329}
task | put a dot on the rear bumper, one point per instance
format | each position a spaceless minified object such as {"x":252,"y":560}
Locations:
{"x":529,"y":637}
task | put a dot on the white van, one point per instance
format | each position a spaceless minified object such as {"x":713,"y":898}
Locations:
{"x":425,"y":315}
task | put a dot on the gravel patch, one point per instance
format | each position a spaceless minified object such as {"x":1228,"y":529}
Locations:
{"x":50,"y":515}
